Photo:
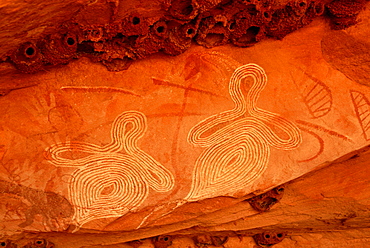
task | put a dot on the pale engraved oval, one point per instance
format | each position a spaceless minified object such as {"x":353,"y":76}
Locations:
{"x":237,"y":154}
{"x":119,"y":166}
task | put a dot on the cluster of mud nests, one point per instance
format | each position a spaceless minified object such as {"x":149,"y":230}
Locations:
{"x":107,"y":34}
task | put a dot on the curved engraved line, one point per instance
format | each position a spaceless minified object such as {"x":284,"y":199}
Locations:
{"x":129,"y":190}
{"x":121,"y":140}
{"x":241,"y":157}
{"x":117,"y":144}
{"x":215,"y":61}
{"x":321,"y":142}
{"x":243,"y":105}
{"x":129,"y":176}
{"x":224,"y":147}
{"x":118,"y":137}
{"x":260,"y":81}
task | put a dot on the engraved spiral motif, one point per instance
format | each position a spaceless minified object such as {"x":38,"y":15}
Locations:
{"x":114,"y":178}
{"x":238,"y":146}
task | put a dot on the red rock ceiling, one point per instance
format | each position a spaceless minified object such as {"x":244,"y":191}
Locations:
{"x":117,"y":33}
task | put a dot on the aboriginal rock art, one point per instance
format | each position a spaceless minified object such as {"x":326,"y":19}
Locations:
{"x":113,"y":179}
{"x":362,"y":109}
{"x":195,"y":67}
{"x":317,"y":98}
{"x":55,"y":209}
{"x":324,"y":130}
{"x":320,"y":143}
{"x":238,"y":141}
{"x":308,"y":127}
{"x":99,"y":89}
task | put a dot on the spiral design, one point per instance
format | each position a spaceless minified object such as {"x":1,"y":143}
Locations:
{"x":115,"y":178}
{"x":110,"y":188}
{"x":237,"y":153}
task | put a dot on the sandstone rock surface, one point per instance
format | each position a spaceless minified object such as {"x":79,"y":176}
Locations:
{"x":175,"y":147}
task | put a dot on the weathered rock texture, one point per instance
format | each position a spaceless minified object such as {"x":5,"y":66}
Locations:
{"x":116,"y":33}
{"x":23,"y":21}
{"x":227,"y":146}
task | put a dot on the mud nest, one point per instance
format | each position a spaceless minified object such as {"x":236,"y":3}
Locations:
{"x":117,"y":39}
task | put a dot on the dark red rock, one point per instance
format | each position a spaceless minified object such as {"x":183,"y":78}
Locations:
{"x":171,"y":27}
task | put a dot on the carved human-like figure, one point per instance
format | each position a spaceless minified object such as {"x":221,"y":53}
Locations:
{"x":114,"y":178}
{"x":238,"y":141}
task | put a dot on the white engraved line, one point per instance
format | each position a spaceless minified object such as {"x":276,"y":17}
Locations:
{"x":127,"y":176}
{"x":238,"y":153}
{"x":129,"y":190}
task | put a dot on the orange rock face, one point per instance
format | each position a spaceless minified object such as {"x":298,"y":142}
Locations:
{"x":173,"y":138}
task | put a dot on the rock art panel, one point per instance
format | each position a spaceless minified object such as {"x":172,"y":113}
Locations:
{"x":125,"y":148}
{"x":195,"y":145}
{"x":114,"y":179}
